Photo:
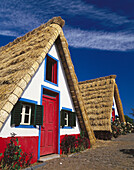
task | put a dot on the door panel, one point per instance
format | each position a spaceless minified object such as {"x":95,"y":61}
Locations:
{"x":49,"y":130}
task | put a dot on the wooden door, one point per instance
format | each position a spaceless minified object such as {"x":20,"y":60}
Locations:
{"x":113,"y":115}
{"x":49,"y":130}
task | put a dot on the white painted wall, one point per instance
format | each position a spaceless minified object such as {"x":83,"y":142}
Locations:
{"x":33,"y":92}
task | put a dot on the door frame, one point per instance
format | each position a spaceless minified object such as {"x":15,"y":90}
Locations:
{"x":39,"y":139}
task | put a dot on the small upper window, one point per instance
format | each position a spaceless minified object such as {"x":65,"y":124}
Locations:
{"x":25,"y":115}
{"x":51,"y":70}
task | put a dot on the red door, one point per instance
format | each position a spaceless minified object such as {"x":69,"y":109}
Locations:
{"x":113,"y":115}
{"x":49,"y":130}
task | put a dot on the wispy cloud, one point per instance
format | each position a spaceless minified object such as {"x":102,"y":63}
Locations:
{"x":16,"y":17}
{"x":90,"y":11}
{"x":29,"y":14}
{"x":19,"y":17}
{"x":8,"y":33}
{"x":100,"y":40}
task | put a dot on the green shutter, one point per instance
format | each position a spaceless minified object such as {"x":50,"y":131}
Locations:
{"x":39,"y":115}
{"x":73,"y":119}
{"x":70,"y":119}
{"x":16,"y":114}
{"x":62,"y":118}
{"x":33,"y":110}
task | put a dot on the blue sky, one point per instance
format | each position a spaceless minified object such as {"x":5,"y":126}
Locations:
{"x":100,"y":35}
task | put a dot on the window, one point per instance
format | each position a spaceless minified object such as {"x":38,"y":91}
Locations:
{"x":51,"y":70}
{"x":68,"y":118}
{"x":25,"y":113}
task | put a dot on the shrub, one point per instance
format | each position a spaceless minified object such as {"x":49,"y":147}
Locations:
{"x":119,"y":128}
{"x":13,"y":157}
{"x":82,"y":144}
{"x":70,"y":144}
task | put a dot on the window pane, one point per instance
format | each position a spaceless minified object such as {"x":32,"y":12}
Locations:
{"x":26,"y":119}
{"x":27,"y":109}
{"x":49,"y":71}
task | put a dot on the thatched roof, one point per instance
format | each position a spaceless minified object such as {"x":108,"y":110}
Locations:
{"x":20,"y":60}
{"x":98,"y":99}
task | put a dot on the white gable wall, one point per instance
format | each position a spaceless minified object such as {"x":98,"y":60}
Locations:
{"x":115,"y":107}
{"x":33,"y":92}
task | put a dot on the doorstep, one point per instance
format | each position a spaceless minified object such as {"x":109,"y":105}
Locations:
{"x":48,"y":157}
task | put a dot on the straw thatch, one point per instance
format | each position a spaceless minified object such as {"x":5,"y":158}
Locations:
{"x":20,"y":60}
{"x":98,"y":99}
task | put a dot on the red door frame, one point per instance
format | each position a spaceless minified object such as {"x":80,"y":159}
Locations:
{"x":56,"y":115}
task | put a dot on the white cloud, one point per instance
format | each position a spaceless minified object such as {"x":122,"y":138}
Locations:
{"x":27,"y":15}
{"x":8,"y":33}
{"x":100,"y":40}
{"x":92,"y":12}
{"x":19,"y":17}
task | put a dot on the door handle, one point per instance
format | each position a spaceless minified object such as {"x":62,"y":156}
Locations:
{"x":43,"y":127}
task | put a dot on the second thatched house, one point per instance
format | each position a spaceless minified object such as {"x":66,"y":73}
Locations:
{"x":102,"y":101}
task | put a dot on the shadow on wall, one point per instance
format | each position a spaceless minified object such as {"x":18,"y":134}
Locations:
{"x":103,"y":135}
{"x":128,"y":151}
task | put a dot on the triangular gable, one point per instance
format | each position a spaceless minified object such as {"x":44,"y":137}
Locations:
{"x":98,"y":96}
{"x":21,"y":59}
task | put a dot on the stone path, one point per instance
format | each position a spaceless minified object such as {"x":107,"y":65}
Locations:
{"x":117,"y":154}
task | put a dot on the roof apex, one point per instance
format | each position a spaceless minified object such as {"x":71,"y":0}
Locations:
{"x":56,"y":20}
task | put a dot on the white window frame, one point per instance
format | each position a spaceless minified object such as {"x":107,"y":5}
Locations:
{"x":66,"y":118}
{"x":23,"y":114}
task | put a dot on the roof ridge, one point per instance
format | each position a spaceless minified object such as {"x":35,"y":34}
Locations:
{"x":98,"y":79}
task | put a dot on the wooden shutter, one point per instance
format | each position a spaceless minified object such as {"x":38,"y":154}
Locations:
{"x":39,"y":115}
{"x":73,"y":119}
{"x":62,"y":118}
{"x":16,"y":114}
{"x":70,"y":119}
{"x":33,"y":110}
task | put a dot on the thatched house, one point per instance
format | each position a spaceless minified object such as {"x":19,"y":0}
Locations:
{"x":102,"y":101}
{"x":35,"y":71}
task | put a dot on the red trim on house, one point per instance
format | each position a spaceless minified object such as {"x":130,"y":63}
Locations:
{"x":75,"y":135}
{"x":28,"y":145}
